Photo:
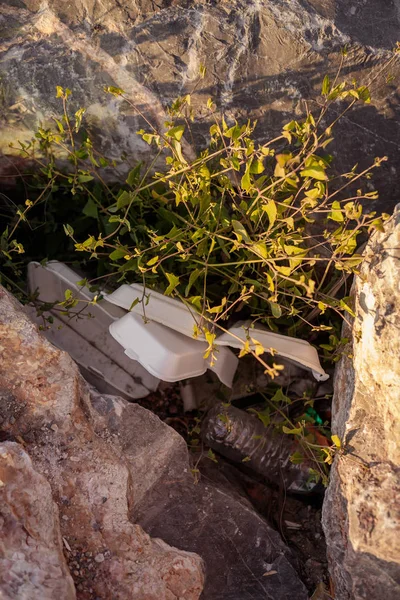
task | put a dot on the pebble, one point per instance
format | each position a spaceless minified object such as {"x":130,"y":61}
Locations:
{"x":99,"y":558}
{"x":54,"y":427}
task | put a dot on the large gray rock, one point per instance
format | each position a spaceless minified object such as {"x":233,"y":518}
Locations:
{"x":263,"y":58}
{"x":361,"y":514}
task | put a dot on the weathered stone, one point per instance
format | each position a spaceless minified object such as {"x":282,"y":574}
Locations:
{"x":210,"y":518}
{"x":89,"y":477}
{"x":263,"y":58}
{"x":361,"y":515}
{"x":32,"y":564}
{"x":106,"y":459}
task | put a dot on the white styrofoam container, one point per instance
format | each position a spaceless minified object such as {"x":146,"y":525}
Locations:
{"x":87,"y":339}
{"x":155,"y":306}
{"x":165,"y":353}
{"x":156,"y":346}
{"x":174,"y":314}
{"x":294,"y":349}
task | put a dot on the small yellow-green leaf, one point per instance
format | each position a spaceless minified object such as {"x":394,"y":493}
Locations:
{"x":176,"y":132}
{"x":326,"y":86}
{"x":257,"y":167}
{"x":315,"y":172}
{"x":260,"y":249}
{"x":336,"y":213}
{"x":240,"y":231}
{"x":173,"y":281}
{"x":294,"y":431}
{"x":152,"y":261}
{"x":336,"y":441}
{"x":246,"y":182}
{"x":271,"y":210}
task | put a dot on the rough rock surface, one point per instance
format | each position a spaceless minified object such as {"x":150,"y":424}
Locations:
{"x":45,"y":405}
{"x":263,"y":58}
{"x":361,"y":514}
{"x":32,"y":563}
{"x":111,"y":464}
{"x":238,"y":546}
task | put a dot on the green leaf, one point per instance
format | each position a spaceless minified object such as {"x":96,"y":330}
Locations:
{"x":176,"y":132}
{"x":68,"y":230}
{"x":263,"y":415}
{"x":336,"y":213}
{"x":315,"y":172}
{"x":364,"y":94}
{"x":297,"y":458}
{"x":275,"y":309}
{"x":115,"y":91}
{"x":118,"y":253}
{"x":211,"y":456}
{"x":240,"y":231}
{"x":90,"y":209}
{"x":84,"y":178}
{"x":260,"y":249}
{"x":173,"y":281}
{"x":257,"y":167}
{"x":346,"y":307}
{"x":326,"y":86}
{"x":271,"y":210}
{"x":246,"y":181}
{"x":216,"y":310}
{"x":133,"y":175}
{"x":152,"y":261}
{"x":280,"y":397}
{"x":194,"y":275}
{"x":294,"y":431}
{"x":124,"y":199}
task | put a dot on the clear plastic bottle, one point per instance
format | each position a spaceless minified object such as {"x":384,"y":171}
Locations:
{"x":239,"y":435}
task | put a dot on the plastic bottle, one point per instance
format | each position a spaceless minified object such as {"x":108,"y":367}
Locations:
{"x":239,"y":435}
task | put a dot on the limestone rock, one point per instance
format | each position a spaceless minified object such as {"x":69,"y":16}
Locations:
{"x":263,"y":58}
{"x":32,"y":564}
{"x":46,"y":406}
{"x":361,"y":515}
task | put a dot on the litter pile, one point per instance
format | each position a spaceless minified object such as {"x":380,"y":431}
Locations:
{"x":155,"y":331}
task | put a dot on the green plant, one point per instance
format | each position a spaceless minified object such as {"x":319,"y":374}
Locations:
{"x":267,"y":231}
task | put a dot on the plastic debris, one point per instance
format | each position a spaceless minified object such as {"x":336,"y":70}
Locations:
{"x":243,"y":438}
{"x":86,"y":338}
{"x":175,"y":315}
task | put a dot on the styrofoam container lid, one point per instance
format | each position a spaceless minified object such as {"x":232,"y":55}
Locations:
{"x":165,"y":353}
{"x":295,"y":349}
{"x":173,"y":314}
{"x":156,"y":307}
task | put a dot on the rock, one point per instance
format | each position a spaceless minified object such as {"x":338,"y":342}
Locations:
{"x":263,"y":59}
{"x":32,"y":564}
{"x":361,"y":515}
{"x":210,"y":518}
{"x":89,"y":477}
{"x":111,"y":464}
